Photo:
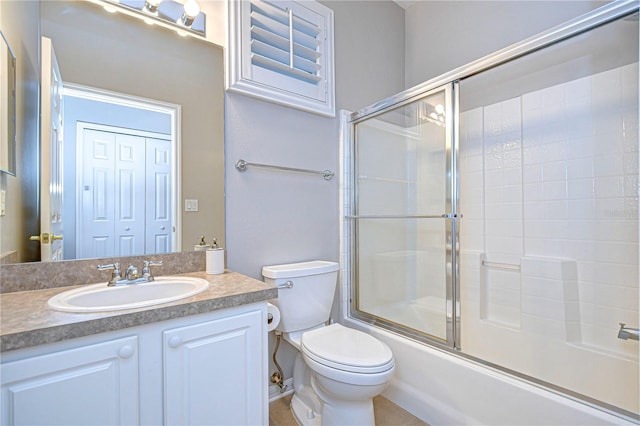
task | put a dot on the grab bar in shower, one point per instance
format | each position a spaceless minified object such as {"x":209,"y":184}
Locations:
{"x":499,"y":265}
{"x":241,"y":166}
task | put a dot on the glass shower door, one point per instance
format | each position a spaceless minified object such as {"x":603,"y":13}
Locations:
{"x":404,"y":218}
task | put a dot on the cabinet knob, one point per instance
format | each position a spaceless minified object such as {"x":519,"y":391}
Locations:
{"x":175,"y":341}
{"x":126,"y":351}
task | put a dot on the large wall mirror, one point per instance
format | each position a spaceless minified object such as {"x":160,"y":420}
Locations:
{"x":7,"y":108}
{"x":135,"y":87}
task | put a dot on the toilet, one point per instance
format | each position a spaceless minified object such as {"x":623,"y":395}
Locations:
{"x":337,"y":370}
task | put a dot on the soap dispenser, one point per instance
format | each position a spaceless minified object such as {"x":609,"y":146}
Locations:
{"x":215,"y":259}
{"x":202,"y":246}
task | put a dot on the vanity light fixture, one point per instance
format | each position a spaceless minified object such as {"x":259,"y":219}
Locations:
{"x":191,"y":11}
{"x":182,"y":16}
{"x":151,"y":6}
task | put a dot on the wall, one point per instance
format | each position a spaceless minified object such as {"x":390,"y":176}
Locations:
{"x":97,"y":49}
{"x":279,"y":217}
{"x":20,"y":23}
{"x":443,"y":35}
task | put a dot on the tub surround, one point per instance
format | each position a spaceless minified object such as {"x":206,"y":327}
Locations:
{"x":27,"y":321}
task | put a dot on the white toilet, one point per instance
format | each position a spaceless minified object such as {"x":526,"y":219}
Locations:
{"x":338,"y":370}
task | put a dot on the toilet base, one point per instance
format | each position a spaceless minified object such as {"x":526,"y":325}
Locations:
{"x":304,"y":414}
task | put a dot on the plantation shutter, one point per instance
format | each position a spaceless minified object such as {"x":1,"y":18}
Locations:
{"x":282,"y":51}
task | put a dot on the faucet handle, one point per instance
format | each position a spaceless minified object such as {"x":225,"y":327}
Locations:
{"x":146,"y":270}
{"x":114,"y":266}
{"x":116,"y":275}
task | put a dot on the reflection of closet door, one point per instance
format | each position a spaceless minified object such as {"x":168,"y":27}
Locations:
{"x":158,"y":196}
{"x":126,"y":197}
{"x":96,"y":234}
{"x":129,"y":195}
{"x":113,"y":202}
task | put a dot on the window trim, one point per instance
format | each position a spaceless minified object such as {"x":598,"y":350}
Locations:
{"x":239,"y":64}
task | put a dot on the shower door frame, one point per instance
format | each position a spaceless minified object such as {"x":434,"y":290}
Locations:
{"x":613,"y":11}
{"x":450,"y":215}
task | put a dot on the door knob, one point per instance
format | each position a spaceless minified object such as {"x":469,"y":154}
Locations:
{"x":55,"y":237}
{"x":44,"y":238}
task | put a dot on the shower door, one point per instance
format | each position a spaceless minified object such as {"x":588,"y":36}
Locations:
{"x":404,"y":218}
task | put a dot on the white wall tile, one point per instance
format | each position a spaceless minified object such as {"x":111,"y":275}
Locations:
{"x":564,"y":188}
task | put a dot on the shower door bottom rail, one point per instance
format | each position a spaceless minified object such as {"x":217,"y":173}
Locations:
{"x":418,"y":216}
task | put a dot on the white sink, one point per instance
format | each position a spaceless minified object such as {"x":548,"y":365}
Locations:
{"x":100,"y":297}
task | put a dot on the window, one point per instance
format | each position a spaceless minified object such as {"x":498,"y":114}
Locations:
{"x":282,"y":51}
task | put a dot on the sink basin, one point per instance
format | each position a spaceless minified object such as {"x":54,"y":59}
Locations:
{"x":100,"y":297}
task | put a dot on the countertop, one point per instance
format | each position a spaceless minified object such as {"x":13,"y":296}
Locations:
{"x":26,"y":320}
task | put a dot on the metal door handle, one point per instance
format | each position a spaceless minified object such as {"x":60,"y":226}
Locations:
{"x":44,"y":238}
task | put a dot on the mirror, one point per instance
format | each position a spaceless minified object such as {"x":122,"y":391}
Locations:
{"x":7,"y":108}
{"x":118,"y":54}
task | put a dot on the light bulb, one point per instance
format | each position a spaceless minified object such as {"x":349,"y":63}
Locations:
{"x":151,"y":6}
{"x":439,"y":109}
{"x":191,"y":8}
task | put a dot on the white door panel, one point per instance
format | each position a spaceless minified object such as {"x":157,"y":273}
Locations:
{"x":158,"y":215}
{"x":98,"y":181}
{"x":129,"y":190}
{"x":51,"y":134}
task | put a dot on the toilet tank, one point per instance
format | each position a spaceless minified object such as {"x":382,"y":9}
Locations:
{"x":307,"y":303}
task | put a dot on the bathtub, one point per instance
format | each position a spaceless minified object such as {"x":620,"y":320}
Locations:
{"x":444,"y":389}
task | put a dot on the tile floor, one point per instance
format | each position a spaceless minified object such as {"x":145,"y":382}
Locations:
{"x":387,"y":414}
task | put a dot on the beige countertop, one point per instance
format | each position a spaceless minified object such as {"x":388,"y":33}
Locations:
{"x":26,"y":320}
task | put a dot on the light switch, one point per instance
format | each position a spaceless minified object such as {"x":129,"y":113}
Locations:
{"x":190,"y":205}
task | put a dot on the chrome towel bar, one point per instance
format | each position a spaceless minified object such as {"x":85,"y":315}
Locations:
{"x":500,"y":265}
{"x":241,"y":166}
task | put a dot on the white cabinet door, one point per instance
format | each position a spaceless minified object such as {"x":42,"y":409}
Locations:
{"x":90,"y":385}
{"x":214,"y":372}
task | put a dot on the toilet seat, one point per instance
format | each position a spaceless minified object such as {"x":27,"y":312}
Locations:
{"x":341,"y":348}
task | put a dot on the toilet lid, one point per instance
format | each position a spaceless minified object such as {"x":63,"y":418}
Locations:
{"x":347,"y":349}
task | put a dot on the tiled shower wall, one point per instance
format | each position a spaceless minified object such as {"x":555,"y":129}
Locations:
{"x":549,"y":181}
{"x":554,"y":173}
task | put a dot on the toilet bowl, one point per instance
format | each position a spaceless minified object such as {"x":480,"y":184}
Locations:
{"x":338,"y":370}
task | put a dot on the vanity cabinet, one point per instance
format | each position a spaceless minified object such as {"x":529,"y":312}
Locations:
{"x":212,"y":374}
{"x":96,"y":384}
{"x":202,"y":369}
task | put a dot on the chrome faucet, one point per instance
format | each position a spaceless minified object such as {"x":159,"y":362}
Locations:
{"x":132,"y":273}
{"x":626,"y":333}
{"x":132,"y":276}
